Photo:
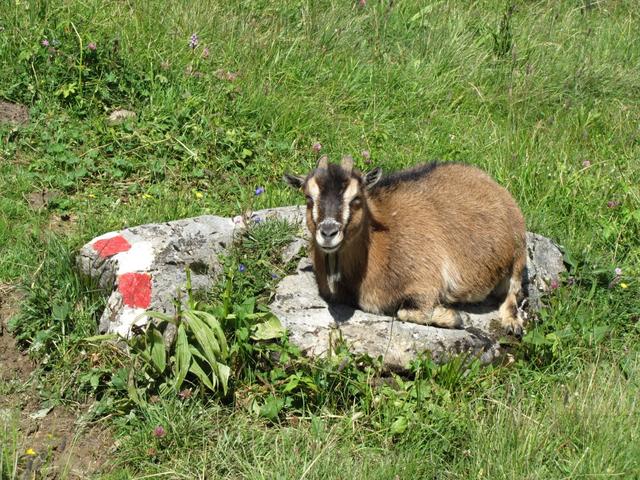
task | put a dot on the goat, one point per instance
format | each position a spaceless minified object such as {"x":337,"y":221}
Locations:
{"x":415,"y":242}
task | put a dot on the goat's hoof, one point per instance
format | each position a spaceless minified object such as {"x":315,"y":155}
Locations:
{"x":515,"y":329}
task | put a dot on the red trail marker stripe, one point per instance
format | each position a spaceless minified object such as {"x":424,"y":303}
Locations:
{"x":110,"y":246}
{"x":135,"y":289}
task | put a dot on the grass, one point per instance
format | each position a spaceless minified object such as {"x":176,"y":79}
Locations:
{"x":544,"y":96}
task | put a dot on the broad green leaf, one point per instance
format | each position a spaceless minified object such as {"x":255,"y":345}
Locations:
{"x":158,"y":351}
{"x":268,"y":330}
{"x":196,"y":369}
{"x":205,"y":337}
{"x":183,"y":356}
{"x":215,"y":326}
{"x":534,"y":337}
{"x":196,"y":354}
{"x":292,"y":384}
{"x":399,"y":425}
{"x":271,"y":407}
{"x":223,"y":374}
{"x":131,"y":388}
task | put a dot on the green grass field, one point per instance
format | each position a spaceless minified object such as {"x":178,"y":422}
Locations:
{"x":544,"y":95}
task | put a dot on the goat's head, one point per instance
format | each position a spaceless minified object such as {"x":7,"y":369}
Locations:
{"x":336,"y":201}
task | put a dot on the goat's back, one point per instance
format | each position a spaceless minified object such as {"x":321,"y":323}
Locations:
{"x":446,"y":221}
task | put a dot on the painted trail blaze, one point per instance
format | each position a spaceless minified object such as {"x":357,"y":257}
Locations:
{"x":110,"y":246}
{"x":135,"y":289}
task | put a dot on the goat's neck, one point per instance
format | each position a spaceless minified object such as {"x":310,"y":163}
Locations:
{"x":346,"y":266}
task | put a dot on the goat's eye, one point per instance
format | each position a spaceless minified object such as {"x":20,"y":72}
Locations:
{"x":356,"y":202}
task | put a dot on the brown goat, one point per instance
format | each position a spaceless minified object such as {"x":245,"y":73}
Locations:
{"x":415,"y":242}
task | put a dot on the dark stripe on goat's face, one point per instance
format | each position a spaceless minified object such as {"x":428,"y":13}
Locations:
{"x":331,"y":185}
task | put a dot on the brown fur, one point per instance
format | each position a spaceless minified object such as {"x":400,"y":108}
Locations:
{"x":422,"y":240}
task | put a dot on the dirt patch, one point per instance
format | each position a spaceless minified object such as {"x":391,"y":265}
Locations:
{"x":62,"y":447}
{"x":14,"y":365}
{"x":13,"y":113}
{"x":42,"y":199}
{"x":63,"y":224}
{"x":52,"y":442}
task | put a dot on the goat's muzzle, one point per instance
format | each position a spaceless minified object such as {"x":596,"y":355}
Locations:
{"x":329,"y":235}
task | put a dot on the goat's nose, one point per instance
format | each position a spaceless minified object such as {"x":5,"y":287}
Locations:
{"x":329,"y":230}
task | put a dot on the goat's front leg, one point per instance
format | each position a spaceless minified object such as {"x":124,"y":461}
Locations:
{"x":426,"y":313}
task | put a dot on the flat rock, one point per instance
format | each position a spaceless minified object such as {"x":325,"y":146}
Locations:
{"x":144,"y":268}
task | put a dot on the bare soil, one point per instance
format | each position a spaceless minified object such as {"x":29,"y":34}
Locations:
{"x":58,"y":445}
{"x":13,"y":113}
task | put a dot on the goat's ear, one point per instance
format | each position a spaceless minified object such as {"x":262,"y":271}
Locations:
{"x":323,"y":163}
{"x":296,"y":181}
{"x":372,"y":177}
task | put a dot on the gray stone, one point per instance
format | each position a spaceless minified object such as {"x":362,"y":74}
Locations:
{"x":544,"y":266}
{"x":153,"y":259}
{"x":314,"y":325}
{"x":162,"y":252}
{"x":120,"y":116}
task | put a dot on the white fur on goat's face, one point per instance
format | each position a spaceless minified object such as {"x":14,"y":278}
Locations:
{"x":330,"y":193}
{"x":336,"y":203}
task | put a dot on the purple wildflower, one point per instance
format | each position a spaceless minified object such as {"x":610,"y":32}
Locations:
{"x":554,"y":284}
{"x":618,"y":271}
{"x":92,"y":46}
{"x":193,"y":41}
{"x":613,"y":203}
{"x":259,"y":191}
{"x":242,"y":268}
{"x":274,"y":275}
{"x":367,"y":156}
{"x":317,"y":147}
{"x":257,"y":219}
{"x":159,"y":431}
{"x":45,"y":43}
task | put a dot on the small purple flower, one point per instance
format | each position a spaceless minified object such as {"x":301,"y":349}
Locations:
{"x":259,"y":191}
{"x":618,"y":272}
{"x":613,"y":203}
{"x":554,"y":285}
{"x":586,"y":164}
{"x":317,"y":147}
{"x":242,"y":268}
{"x":193,"y":41}
{"x":92,"y":46}
{"x":274,"y":275}
{"x":367,"y":156}
{"x":205,"y":52}
{"x":256,"y":219}
{"x":159,"y":431}
{"x":44,"y":43}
